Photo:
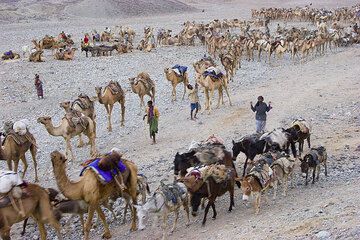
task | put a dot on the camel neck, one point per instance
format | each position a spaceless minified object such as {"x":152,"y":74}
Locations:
{"x":55,"y":131}
{"x":67,"y":187}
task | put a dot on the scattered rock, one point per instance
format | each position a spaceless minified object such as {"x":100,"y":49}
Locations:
{"x":323,"y":235}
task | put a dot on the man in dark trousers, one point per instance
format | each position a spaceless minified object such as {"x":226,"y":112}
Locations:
{"x":260,"y":117}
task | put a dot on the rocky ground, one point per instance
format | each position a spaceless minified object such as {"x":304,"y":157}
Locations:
{"x":323,"y":89}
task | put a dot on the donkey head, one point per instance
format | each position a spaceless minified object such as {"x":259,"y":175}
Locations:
{"x":304,"y":166}
{"x":195,"y":203}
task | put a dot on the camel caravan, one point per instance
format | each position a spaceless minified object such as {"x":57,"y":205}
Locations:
{"x":206,"y":170}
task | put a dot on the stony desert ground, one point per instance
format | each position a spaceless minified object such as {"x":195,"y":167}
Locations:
{"x":323,"y":89}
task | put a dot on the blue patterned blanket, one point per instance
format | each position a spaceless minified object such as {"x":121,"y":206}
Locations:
{"x":105,"y":176}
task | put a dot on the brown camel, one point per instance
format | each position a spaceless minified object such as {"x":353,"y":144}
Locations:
{"x":143,"y":85}
{"x":175,"y":79}
{"x":12,"y":151}
{"x":66,"y":55}
{"x":68,"y":129}
{"x":109,"y":97}
{"x":36,"y":205}
{"x":36,"y":56}
{"x":210,"y":85}
{"x":92,"y":191}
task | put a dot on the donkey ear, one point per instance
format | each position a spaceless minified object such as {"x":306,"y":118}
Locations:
{"x":233,"y":142}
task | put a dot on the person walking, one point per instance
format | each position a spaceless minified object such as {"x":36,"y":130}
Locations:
{"x":152,"y":114}
{"x":260,"y":117}
{"x":39,"y":87}
{"x":194,"y":100}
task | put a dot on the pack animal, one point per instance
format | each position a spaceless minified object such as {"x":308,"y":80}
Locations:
{"x":312,"y":160}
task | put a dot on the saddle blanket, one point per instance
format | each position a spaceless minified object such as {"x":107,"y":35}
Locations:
{"x":179,"y":70}
{"x":213,"y":72}
{"x":104,"y":176}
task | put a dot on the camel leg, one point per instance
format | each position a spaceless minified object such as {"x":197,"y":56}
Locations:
{"x":9,"y":163}
{"x":101,"y":215}
{"x":228,"y":95}
{"x":210,"y":99}
{"x":42,"y":230}
{"x":109,"y":110}
{"x":33,"y":155}
{"x":23,"y":159}
{"x":173,"y":94}
{"x":122,"y":104}
{"x":81,"y":142}
{"x":16,"y":165}
{"x":89,"y":222}
{"x":69,"y":149}
{"x":219,"y":98}
{"x":184,"y":91}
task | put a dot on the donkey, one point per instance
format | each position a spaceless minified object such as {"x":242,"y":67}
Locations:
{"x":167,"y":198}
{"x":209,"y":189}
{"x":256,"y":182}
{"x":280,"y":140}
{"x":186,"y":160}
{"x":313,"y":159}
{"x":251,"y":146}
{"x":299,"y":131}
{"x":282,"y":169}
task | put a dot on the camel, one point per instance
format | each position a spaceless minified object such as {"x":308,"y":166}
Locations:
{"x":36,"y":205}
{"x":85,"y":105}
{"x":92,"y":191}
{"x":68,"y":129}
{"x":210,"y":85}
{"x":175,"y":79}
{"x":143,"y":85}
{"x":10,"y":55}
{"x":66,"y":55}
{"x":109,"y":97}
{"x":12,"y":151}
{"x":229,"y":64}
{"x":36,"y":56}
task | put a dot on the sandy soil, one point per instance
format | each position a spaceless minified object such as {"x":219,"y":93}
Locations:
{"x":323,"y":89}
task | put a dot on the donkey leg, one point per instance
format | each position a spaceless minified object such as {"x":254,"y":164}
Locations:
{"x":325,"y":166}
{"x":206,"y":212}
{"x":175,"y":220}
{"x":318,"y":172}
{"x":313,"y":175}
{"x":214,"y":211}
{"x":308,"y":141}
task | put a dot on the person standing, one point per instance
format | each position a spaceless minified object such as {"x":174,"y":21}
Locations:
{"x":152,"y":114}
{"x":39,"y":87}
{"x":194,"y":100}
{"x":260,"y":117}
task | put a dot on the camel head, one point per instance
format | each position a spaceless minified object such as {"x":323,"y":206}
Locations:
{"x":132,"y":81}
{"x":98,"y":90}
{"x":44,"y":120}
{"x":65,"y":104}
{"x":57,"y":158}
{"x":166,"y":70}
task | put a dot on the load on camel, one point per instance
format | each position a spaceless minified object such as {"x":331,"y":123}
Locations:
{"x":177,"y":74}
{"x":65,"y":55}
{"x":18,"y":140}
{"x":20,"y":200}
{"x":210,"y":182}
{"x":167,"y":198}
{"x":213,"y":79}
{"x":96,"y":185}
{"x":143,"y":85}
{"x":110,"y":95}
{"x":9,"y":55}
{"x":69,"y":127}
